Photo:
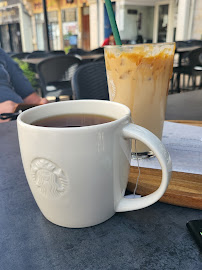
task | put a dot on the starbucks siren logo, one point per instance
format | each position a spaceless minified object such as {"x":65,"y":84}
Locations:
{"x":49,"y":178}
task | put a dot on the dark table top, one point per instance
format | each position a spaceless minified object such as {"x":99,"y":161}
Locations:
{"x":152,"y":238}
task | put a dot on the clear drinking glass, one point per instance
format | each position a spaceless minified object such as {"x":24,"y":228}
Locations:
{"x":138,"y":77}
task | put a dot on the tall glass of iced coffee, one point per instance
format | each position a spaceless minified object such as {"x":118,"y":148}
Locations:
{"x":138,"y":77}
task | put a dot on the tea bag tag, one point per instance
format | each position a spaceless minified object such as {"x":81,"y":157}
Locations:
{"x":132,"y":196}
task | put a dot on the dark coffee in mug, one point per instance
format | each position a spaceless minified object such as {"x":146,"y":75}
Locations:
{"x":73,"y":120}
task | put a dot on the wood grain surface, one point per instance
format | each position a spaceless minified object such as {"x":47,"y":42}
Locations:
{"x":184,"y":189}
{"x":187,"y":122}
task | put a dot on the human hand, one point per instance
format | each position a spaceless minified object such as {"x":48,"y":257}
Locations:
{"x":35,"y":99}
{"x":43,"y":101}
{"x":7,"y":107}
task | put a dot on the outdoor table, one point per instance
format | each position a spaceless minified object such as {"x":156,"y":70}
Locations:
{"x":181,"y":51}
{"x":33,"y":61}
{"x":152,"y":238}
{"x":36,"y":61}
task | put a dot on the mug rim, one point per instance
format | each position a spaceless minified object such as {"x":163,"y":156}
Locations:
{"x":36,"y":108}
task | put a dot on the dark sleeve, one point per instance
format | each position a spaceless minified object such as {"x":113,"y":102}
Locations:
{"x":6,"y":93}
{"x":19,"y":82}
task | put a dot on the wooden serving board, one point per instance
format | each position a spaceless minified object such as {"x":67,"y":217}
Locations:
{"x":185,"y":189}
{"x":187,"y":122}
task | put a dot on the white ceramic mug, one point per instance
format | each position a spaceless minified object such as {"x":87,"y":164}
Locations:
{"x":78,"y":176}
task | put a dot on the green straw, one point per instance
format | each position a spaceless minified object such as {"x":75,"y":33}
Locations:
{"x":113,"y":22}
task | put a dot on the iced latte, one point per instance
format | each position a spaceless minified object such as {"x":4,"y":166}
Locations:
{"x":138,"y":76}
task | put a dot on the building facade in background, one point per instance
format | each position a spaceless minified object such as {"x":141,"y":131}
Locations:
{"x":151,"y":20}
{"x":85,"y":23}
{"x":15,"y":26}
{"x":68,"y":24}
{"x":22,"y":26}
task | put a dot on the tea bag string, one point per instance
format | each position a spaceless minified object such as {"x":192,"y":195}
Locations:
{"x":138,"y":169}
{"x":137,"y":163}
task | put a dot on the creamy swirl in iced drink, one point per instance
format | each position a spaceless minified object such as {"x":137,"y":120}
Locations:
{"x":138,"y":76}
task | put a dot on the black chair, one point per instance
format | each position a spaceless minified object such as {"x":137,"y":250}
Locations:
{"x":126,"y":41}
{"x":187,"y":44}
{"x":99,"y":50}
{"x":58,"y":52}
{"x":139,"y":39}
{"x":181,"y":44}
{"x":55,"y":75}
{"x":77,"y":51}
{"x":192,"y":69}
{"x":20,"y":56}
{"x":10,"y":53}
{"x":38,"y":54}
{"x":101,"y":58}
{"x":194,"y":42}
{"x":90,"y":82}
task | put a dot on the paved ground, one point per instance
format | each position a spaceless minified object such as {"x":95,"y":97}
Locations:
{"x":185,"y":106}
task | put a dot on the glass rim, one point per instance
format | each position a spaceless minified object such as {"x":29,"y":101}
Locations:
{"x":139,"y":45}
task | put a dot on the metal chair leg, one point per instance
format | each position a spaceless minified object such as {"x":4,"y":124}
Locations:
{"x":194,"y":82}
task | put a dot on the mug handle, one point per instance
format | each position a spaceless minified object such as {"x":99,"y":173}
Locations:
{"x":132,"y":131}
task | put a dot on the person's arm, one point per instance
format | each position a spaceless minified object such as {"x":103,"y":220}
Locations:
{"x":7,"y":107}
{"x":35,"y":99}
{"x":21,"y":84}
